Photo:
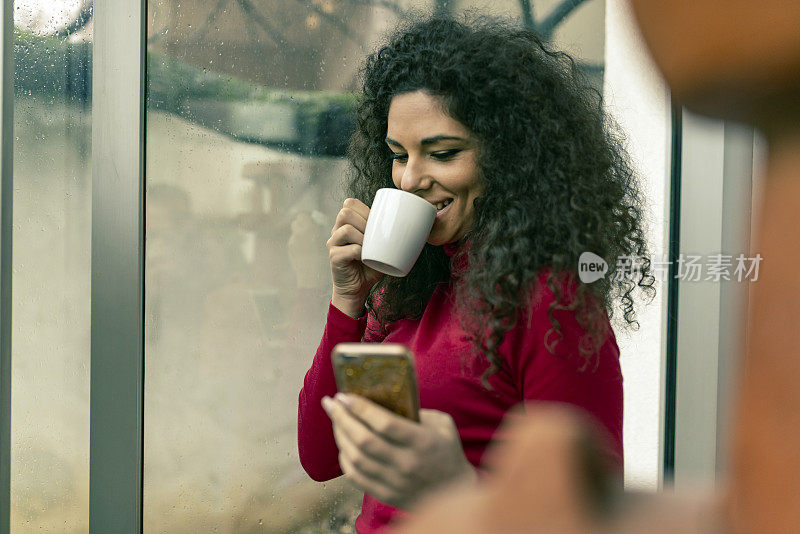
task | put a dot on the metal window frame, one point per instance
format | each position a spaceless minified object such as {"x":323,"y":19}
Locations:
{"x":116,"y":445}
{"x":6,"y":232}
{"x":716,"y":163}
{"x":671,"y":331}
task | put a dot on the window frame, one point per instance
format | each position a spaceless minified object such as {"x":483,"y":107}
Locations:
{"x":116,"y":441}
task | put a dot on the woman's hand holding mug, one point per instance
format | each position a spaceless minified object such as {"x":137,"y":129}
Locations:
{"x":352,"y":280}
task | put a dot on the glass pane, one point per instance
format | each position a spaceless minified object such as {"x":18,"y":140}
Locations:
{"x":52,"y":237}
{"x":247,"y":123}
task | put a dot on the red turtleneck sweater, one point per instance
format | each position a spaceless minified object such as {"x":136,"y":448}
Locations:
{"x":438,"y":343}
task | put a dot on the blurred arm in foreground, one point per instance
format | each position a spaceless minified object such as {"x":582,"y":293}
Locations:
{"x":738,"y":61}
{"x":552,"y":476}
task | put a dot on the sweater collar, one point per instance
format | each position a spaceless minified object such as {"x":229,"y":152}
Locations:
{"x":452,"y":248}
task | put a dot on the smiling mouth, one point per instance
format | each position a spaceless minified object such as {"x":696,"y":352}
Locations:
{"x":440,"y":212}
{"x":442,"y":205}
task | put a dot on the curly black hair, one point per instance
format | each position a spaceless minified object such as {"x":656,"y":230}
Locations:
{"x":556,"y":179}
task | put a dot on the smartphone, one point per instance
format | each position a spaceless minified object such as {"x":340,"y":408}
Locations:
{"x":382,"y":372}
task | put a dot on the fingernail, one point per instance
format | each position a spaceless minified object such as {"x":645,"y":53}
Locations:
{"x":344,"y":399}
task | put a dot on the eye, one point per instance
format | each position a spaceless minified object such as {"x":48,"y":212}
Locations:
{"x":443,"y":155}
{"x":399,"y":157}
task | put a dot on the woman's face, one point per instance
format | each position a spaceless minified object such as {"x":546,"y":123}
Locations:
{"x":434,"y":157}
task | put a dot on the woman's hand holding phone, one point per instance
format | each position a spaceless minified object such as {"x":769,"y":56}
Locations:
{"x":352,"y":280}
{"x":396,"y":460}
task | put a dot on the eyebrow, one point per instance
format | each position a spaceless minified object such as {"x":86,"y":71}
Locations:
{"x":429,"y":140}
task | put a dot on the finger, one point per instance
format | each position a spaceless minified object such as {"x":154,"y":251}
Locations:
{"x":363,"y":462}
{"x":345,"y":235}
{"x":357,"y":206}
{"x":344,"y":254}
{"x":351,"y":216}
{"x":362,"y":437}
{"x":375,"y":488}
{"x":392,"y":427}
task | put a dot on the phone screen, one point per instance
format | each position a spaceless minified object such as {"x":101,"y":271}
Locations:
{"x":388,"y":380}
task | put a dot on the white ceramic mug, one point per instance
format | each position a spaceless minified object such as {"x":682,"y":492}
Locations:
{"x":398,"y":226}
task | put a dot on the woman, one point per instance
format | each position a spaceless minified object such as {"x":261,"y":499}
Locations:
{"x":509,"y":142}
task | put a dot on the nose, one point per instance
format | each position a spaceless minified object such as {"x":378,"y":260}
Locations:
{"x":415,"y":176}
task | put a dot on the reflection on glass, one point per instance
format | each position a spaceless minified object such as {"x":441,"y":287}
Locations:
{"x":51,"y":262}
{"x":249,"y":115}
